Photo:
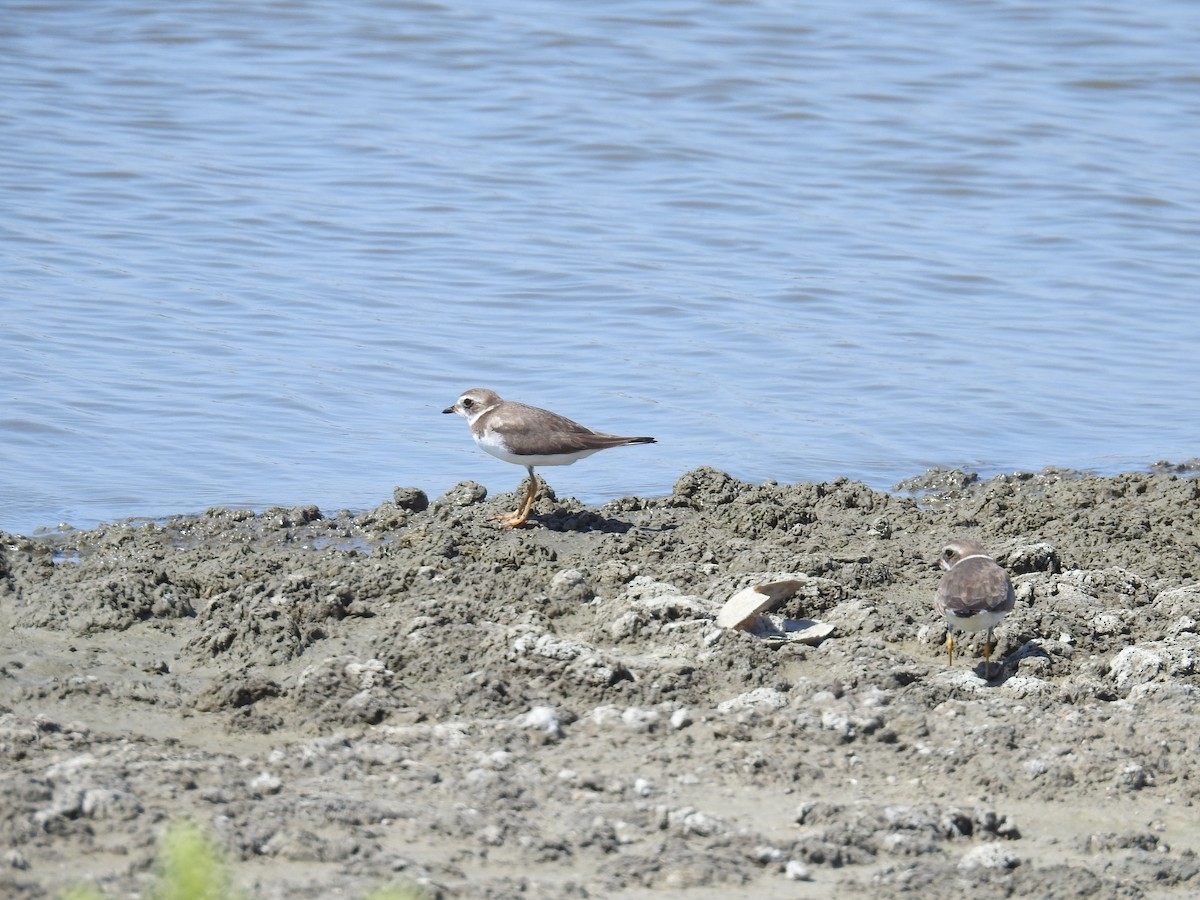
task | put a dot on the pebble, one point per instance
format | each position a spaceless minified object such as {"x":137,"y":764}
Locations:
{"x":797,"y":871}
{"x":763,"y":699}
{"x":681,"y":719}
{"x":411,"y":498}
{"x":543,"y":719}
{"x":265,"y":783}
{"x":690,"y":821}
{"x":766,"y":854}
{"x":463,"y":494}
{"x":106,"y":803}
{"x":571,"y":585}
{"x":988,"y":856}
{"x":1135,"y":665}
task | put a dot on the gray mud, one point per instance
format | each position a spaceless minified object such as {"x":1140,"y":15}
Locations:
{"x":415,"y":693}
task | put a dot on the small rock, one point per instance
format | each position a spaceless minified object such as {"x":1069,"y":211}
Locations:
{"x":296,"y":515}
{"x":988,"y":856}
{"x":1108,"y":623}
{"x":797,"y":871}
{"x":766,"y":854}
{"x":1031,"y":558}
{"x":692,"y":822}
{"x":762,"y":699}
{"x":1134,"y":777}
{"x":411,"y":498}
{"x":626,"y":625}
{"x":571,"y":585}
{"x":681,"y":718}
{"x":543,"y":719}
{"x":465,"y":493}
{"x":673,"y":607}
{"x":265,"y":784}
{"x":491,"y":835}
{"x":1105,"y":842}
{"x":1135,"y":665}
{"x":105,"y":803}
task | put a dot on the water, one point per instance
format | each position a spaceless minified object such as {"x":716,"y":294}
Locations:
{"x":249,"y":252}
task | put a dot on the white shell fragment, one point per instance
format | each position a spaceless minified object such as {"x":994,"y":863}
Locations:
{"x":745,"y":611}
{"x":741,"y":609}
{"x":800,"y":631}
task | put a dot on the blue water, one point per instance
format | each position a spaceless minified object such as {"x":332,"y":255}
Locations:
{"x":249,"y":252}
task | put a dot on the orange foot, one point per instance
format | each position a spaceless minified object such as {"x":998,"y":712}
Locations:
{"x":519,"y":517}
{"x":512,"y":519}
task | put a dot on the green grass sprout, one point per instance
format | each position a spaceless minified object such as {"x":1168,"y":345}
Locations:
{"x":192,"y":867}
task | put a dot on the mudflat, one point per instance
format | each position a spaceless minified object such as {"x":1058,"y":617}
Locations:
{"x":415,"y":694}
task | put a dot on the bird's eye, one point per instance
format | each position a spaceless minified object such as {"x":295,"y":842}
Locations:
{"x":467,"y":402}
{"x":948,"y":553}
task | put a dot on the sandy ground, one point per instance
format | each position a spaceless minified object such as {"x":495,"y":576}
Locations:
{"x":415,"y":693}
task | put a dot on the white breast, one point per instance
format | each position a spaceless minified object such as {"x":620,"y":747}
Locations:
{"x":978,"y":622}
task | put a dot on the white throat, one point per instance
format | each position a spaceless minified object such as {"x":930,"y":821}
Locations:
{"x":473,"y":415}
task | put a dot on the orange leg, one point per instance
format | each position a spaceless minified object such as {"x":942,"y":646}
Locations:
{"x":520,"y":516}
{"x":950,"y":646}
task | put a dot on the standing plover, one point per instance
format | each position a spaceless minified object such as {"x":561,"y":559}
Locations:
{"x":974,"y":594}
{"x":528,"y":436}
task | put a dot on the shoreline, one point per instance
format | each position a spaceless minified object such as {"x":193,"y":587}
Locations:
{"x":413,"y":692}
{"x":931,"y":480}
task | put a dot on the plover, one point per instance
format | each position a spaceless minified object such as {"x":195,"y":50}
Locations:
{"x":528,"y":436}
{"x":974,"y":594}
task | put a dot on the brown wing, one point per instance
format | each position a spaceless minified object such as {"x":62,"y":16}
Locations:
{"x":530,"y":431}
{"x":975,"y":585}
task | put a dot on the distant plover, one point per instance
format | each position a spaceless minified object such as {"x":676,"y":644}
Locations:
{"x":528,"y":436}
{"x":974,"y":594}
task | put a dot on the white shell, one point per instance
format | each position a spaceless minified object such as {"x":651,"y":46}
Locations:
{"x":740,"y":610}
{"x":798,"y":631}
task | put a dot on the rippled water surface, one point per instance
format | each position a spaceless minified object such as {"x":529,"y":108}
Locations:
{"x":248,"y":252}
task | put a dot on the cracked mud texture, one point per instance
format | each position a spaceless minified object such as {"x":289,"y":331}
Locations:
{"x":415,"y":693}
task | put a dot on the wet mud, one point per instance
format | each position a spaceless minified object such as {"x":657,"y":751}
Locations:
{"x":414,"y":693}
